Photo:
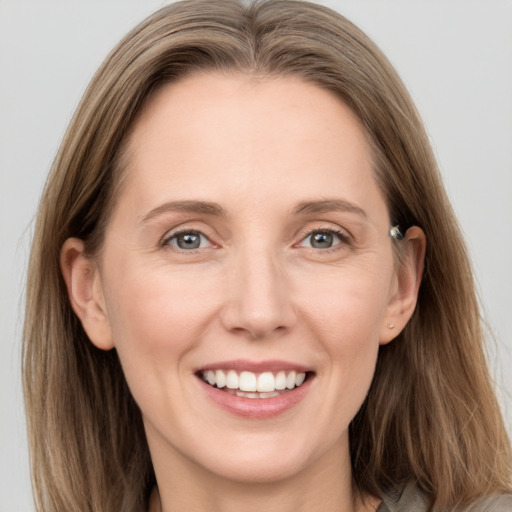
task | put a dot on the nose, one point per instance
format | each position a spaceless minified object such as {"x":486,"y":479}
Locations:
{"x":258,"y":296}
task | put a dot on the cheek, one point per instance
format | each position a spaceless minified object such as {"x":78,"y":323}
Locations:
{"x":346,"y":314}
{"x":348,"y":307}
{"x":156,"y":317}
{"x":155,"y":300}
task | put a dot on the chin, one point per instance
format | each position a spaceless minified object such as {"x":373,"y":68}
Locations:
{"x":259,"y":469}
{"x":263,"y":458}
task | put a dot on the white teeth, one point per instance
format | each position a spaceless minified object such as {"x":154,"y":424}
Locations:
{"x":280,"y":381}
{"x":232,"y":380}
{"x":220,"y":377}
{"x":255,"y":395}
{"x":252,"y":385}
{"x":266,"y":382}
{"x":247,"y":381}
{"x":290,"y":380}
{"x":247,"y":395}
{"x":269,"y":395}
{"x":210,"y":377}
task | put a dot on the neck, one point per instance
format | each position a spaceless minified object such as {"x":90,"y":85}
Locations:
{"x":325,"y":486}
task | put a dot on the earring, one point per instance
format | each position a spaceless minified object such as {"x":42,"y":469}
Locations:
{"x":391,"y":326}
{"x":396,"y":233}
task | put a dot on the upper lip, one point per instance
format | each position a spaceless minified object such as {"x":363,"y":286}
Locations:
{"x":240,"y":365}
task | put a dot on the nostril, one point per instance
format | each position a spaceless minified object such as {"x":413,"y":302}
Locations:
{"x":257,"y":303}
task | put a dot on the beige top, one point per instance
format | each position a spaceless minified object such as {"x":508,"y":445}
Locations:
{"x":413,"y":500}
{"x":410,"y":499}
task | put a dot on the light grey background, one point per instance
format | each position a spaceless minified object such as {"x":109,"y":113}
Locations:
{"x":454,"y":55}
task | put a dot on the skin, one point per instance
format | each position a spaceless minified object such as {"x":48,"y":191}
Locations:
{"x":256,"y":288}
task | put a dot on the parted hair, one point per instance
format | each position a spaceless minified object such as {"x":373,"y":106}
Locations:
{"x":431,"y":415}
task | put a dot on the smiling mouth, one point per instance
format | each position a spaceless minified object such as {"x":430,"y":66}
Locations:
{"x":254,"y":385}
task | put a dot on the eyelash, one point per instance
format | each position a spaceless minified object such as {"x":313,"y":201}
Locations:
{"x":341,"y":235}
{"x":166,"y":242}
{"x":344,"y":239}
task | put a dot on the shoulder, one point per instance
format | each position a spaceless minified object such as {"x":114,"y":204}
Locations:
{"x":405,"y":499}
{"x":411,"y":499}
{"x":495,"y":503}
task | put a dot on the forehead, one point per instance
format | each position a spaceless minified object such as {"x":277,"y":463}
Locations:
{"x":198,"y":104}
{"x":213,"y":135}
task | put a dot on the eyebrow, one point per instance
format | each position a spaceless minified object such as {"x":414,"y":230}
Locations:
{"x":215,"y":210}
{"x":200,"y":207}
{"x":327,"y":205}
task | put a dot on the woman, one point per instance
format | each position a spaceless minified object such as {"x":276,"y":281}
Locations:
{"x":247,"y":287}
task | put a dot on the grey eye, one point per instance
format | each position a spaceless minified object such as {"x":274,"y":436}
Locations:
{"x":322,"y":239}
{"x":188,"y":240}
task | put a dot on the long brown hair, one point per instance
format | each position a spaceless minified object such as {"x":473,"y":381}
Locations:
{"x":431,"y":415}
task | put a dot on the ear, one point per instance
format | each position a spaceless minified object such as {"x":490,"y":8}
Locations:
{"x":407,"y":284}
{"x":85,"y":292}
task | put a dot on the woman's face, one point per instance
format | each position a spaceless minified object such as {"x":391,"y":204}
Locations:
{"x":249,"y":247}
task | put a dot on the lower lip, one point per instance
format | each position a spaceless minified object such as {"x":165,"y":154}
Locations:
{"x":256,"y":408}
